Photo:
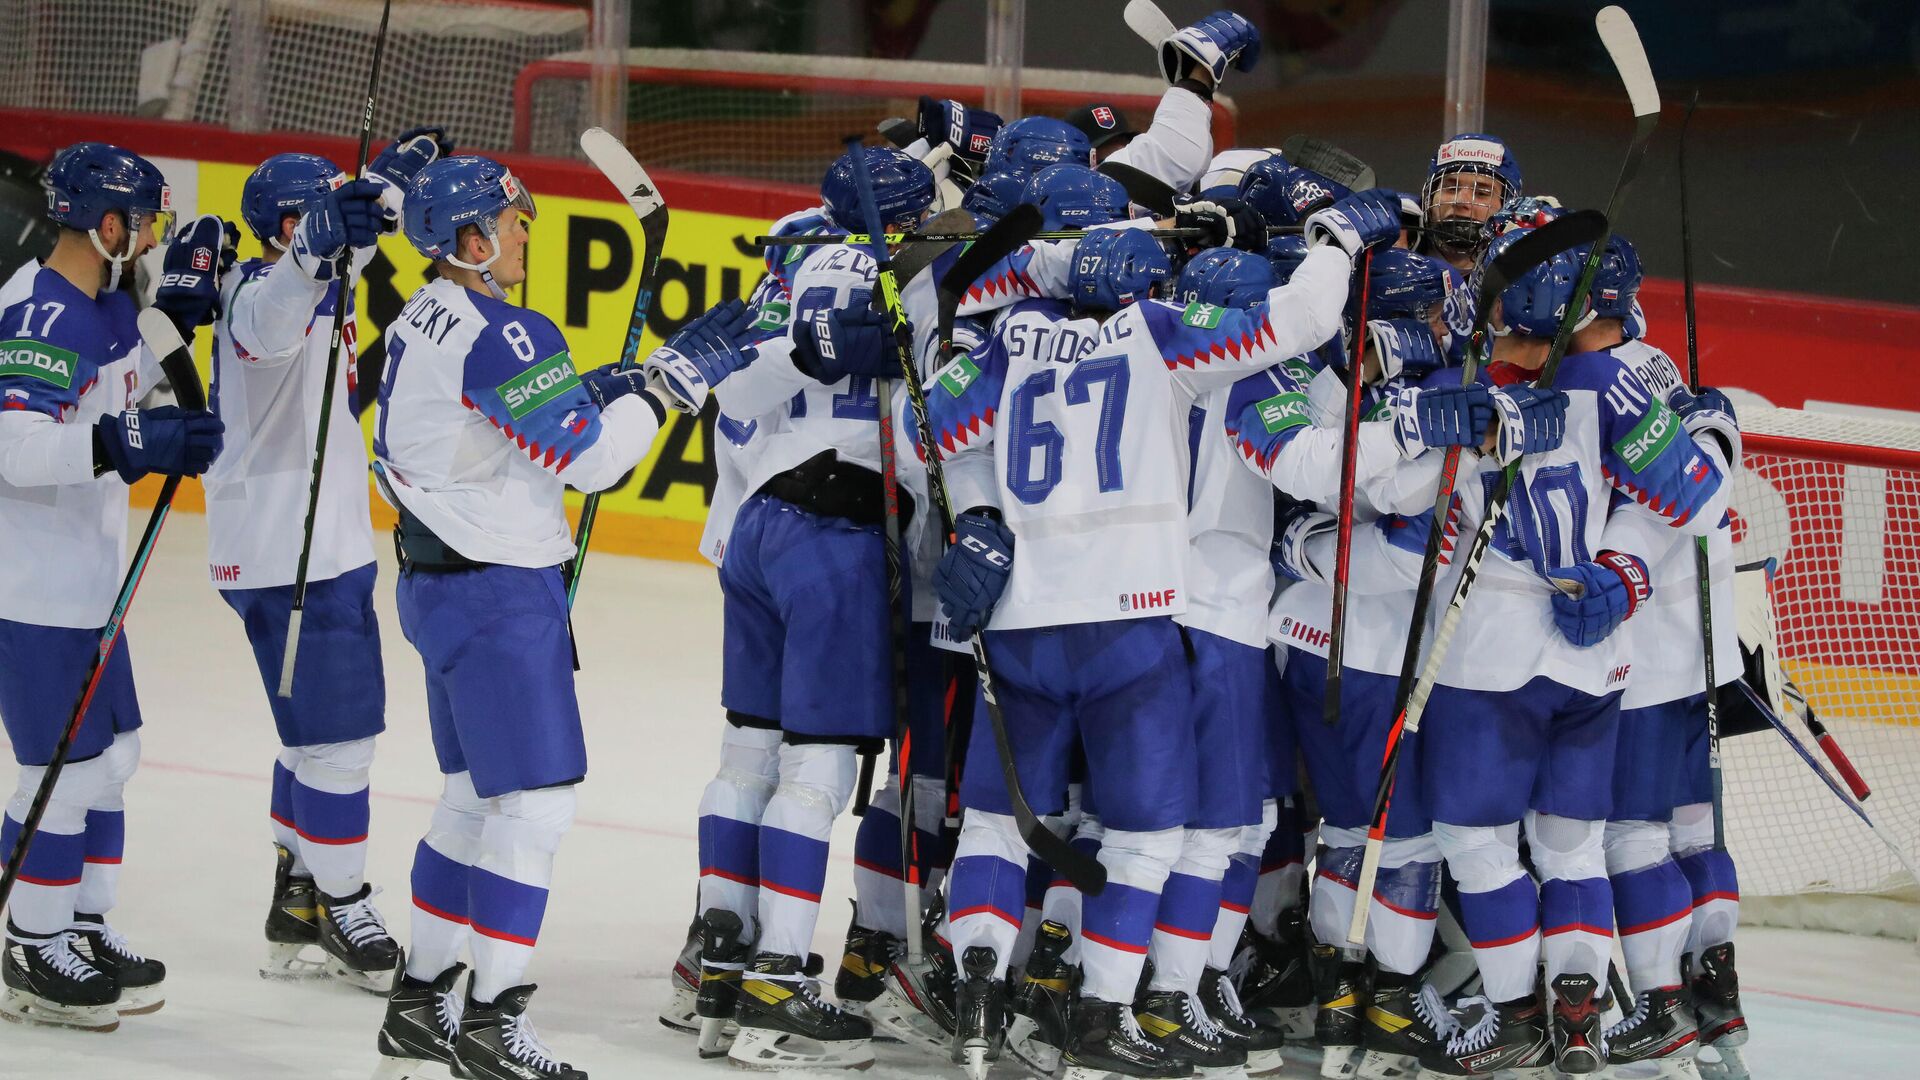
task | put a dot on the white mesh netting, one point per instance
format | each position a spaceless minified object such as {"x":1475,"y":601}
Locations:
{"x":1836,"y":499}
{"x":447,"y":62}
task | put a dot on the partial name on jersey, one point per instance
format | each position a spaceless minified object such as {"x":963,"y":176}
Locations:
{"x":426,"y":314}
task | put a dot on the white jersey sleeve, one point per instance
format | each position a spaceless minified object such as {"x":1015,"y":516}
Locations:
{"x":1178,"y":145}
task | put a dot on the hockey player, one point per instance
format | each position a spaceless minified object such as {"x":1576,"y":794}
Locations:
{"x":270,"y":363}
{"x":482,"y":421}
{"x":72,"y":368}
{"x":1522,"y":720}
{"x":1469,"y":178}
{"x":1091,"y":482}
{"x":1674,"y":895}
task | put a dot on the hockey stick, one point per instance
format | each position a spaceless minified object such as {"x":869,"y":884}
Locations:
{"x":1321,"y":156}
{"x":1574,"y":230}
{"x":1828,"y":745}
{"x":343,"y":275}
{"x":1764,"y":644}
{"x":1343,"y":537}
{"x":896,"y":563}
{"x":618,"y":165}
{"x":1145,"y":18}
{"x":1702,"y":565}
{"x":1623,"y":45}
{"x":176,"y":360}
{"x":968,"y":236}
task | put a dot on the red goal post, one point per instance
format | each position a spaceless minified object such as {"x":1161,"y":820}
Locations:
{"x":1835,"y":499}
{"x":782,"y":117}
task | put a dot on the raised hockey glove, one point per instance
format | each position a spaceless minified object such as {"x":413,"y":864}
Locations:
{"x":699,"y":356}
{"x":1710,"y":412}
{"x":1532,"y":421}
{"x":1212,"y":43}
{"x":166,"y":440}
{"x":189,"y":290}
{"x":349,"y":216}
{"x":415,"y":149}
{"x":1223,"y":222}
{"x":973,"y":572}
{"x":1428,"y":417}
{"x":969,"y":131}
{"x":1405,"y":347}
{"x":1295,"y":525}
{"x":837,"y":342}
{"x":1362,"y":220}
{"x":1590,"y":599}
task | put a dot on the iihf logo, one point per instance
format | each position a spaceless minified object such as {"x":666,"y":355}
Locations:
{"x":1103,"y":116}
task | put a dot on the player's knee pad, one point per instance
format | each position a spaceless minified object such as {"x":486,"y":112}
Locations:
{"x":1204,"y":853}
{"x":1407,"y":850}
{"x":1481,"y":858}
{"x":458,"y":819}
{"x":750,"y":756}
{"x":1089,"y":829}
{"x":995,"y":835}
{"x":1566,"y":849}
{"x":79,"y":788}
{"x":122,"y":760}
{"x":1141,"y":859}
{"x":1634,"y":845}
{"x":1253,"y":838}
{"x":538,"y":818}
{"x":818,"y":775}
{"x":1691,"y":829}
{"x":337,"y":768}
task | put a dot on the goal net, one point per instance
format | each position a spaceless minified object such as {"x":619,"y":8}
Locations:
{"x":1835,"y":499}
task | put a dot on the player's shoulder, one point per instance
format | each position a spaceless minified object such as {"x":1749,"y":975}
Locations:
{"x":1597,"y":371}
{"x":64,"y":317}
{"x":1656,"y":370}
{"x":835,"y":264}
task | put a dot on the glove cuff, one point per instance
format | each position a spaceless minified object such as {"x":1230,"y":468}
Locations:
{"x":1195,"y":87}
{"x":1632,"y":571}
{"x":677,"y":376}
{"x":1511,"y":442}
{"x":1721,"y":427}
{"x":1291,"y":556}
{"x":1406,"y":422}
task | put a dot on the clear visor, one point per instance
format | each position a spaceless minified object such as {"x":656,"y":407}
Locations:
{"x":160,"y":221}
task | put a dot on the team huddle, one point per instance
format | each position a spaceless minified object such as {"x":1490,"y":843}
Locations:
{"x":1097,"y":582}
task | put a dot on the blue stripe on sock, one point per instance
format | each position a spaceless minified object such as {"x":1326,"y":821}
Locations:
{"x":730,"y":849}
{"x":53,"y":859}
{"x":1412,"y":889}
{"x":1584,"y":906}
{"x":1121,"y":917}
{"x":1651,"y":897}
{"x":280,"y":804}
{"x":1501,"y":917}
{"x":106,"y":836}
{"x":792,"y":864}
{"x":1039,"y":876}
{"x":440,"y":885}
{"x":983,"y":884}
{"x":876,"y":844}
{"x":1188,"y":906}
{"x":505,"y":909}
{"x":1710,"y":874}
{"x":1243,"y":877}
{"x":327,"y":818}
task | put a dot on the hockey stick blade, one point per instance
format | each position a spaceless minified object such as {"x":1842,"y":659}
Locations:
{"x":1145,"y":18}
{"x":1142,"y":187}
{"x":1328,"y":160}
{"x":1578,"y":229}
{"x":617,"y":163}
{"x":176,"y":359}
{"x":1622,"y":42}
{"x":914,"y":259}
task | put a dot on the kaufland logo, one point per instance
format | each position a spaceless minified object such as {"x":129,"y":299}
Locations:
{"x":1147,"y":601}
{"x":1472,"y":151}
{"x":1103,"y":116}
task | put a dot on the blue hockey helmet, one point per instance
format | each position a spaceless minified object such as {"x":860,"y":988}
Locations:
{"x":995,"y":194}
{"x":1285,"y":254}
{"x":285,"y":184}
{"x":1115,"y":267}
{"x":1617,"y":280}
{"x":1471,"y":151}
{"x":454,"y":192}
{"x":902,"y":189}
{"x":1285,"y":194}
{"x":89,"y":180}
{"x":1226,"y":278}
{"x":1452,"y":198}
{"x":1401,"y":283}
{"x":1533,"y":305}
{"x":1032,"y":143}
{"x":1075,"y":197}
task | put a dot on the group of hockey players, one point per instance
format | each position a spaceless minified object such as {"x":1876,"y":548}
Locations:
{"x":1141,"y":440}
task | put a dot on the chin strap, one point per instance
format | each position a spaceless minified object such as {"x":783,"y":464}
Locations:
{"x":114,"y":261}
{"x":485,"y":269}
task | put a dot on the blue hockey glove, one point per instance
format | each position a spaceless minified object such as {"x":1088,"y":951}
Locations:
{"x":1429,"y":417}
{"x":189,"y":290}
{"x":1532,"y":421}
{"x":1457,"y":309}
{"x":1710,"y":412}
{"x":415,"y":149}
{"x":1592,"y":598}
{"x":1295,"y":524}
{"x":973,"y":572}
{"x":1221,"y":38}
{"x":1362,"y":220}
{"x":1224,"y":222}
{"x":700,"y":355}
{"x":837,"y":342}
{"x":608,"y":384}
{"x":1405,"y":347}
{"x":166,"y":440}
{"x":969,"y":131}
{"x":349,"y":216}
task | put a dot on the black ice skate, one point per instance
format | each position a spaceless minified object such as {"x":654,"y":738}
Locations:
{"x":293,"y":923}
{"x":1579,"y":1034}
{"x":1042,"y":997}
{"x":1171,"y":1019}
{"x":1660,"y":1030}
{"x":497,"y":1042}
{"x":723,"y":956}
{"x":1716,"y":1002}
{"x":1275,"y":980}
{"x":916,"y":1006}
{"x":863,"y":967}
{"x":678,"y":1013}
{"x":47,"y":982}
{"x":1262,"y":1042}
{"x":980,"y":1013}
{"x":1106,"y":1040}
{"x":423,"y":1020}
{"x":1405,"y":1020}
{"x":1509,"y":1036}
{"x":786,"y":1024}
{"x":1340,"y":988}
{"x":139,"y":978}
{"x":359,"y":950}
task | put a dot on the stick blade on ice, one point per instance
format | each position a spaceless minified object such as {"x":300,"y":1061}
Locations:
{"x":612,"y":158}
{"x":1145,"y":18}
{"x":1622,"y":42}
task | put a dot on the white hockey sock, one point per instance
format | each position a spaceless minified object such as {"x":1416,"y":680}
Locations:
{"x":48,"y":884}
{"x":730,"y":811}
{"x":816,"y":782}
{"x":1405,"y":904}
{"x":1499,"y":905}
{"x":987,"y":887}
{"x":1710,"y":874}
{"x":1117,"y":924}
{"x":879,"y":899}
{"x":442,"y":872}
{"x":331,"y":811}
{"x":107,"y":829}
{"x":1189,"y":909}
{"x":508,"y":886}
{"x":1062,"y":902}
